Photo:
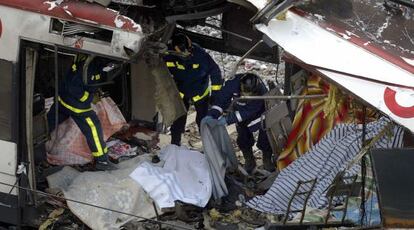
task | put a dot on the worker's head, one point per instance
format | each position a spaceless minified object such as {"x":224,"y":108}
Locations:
{"x":249,"y":84}
{"x":181,"y":44}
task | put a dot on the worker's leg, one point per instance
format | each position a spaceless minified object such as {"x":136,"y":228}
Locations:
{"x":201,"y":109}
{"x":178,"y":126}
{"x":51,"y":116}
{"x":264,"y":145}
{"x":245,"y":141}
{"x":90,"y":126}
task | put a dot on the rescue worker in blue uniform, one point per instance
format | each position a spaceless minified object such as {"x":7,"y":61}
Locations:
{"x":192,"y":68}
{"x":247,"y":115}
{"x":75,"y":98}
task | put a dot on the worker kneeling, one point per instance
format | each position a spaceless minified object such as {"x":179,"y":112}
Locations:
{"x":246,"y":115}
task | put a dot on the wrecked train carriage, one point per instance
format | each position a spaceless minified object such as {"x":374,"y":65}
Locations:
{"x":38,"y":41}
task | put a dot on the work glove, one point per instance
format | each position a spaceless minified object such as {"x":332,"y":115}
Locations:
{"x":97,"y":96}
{"x":222,"y":121}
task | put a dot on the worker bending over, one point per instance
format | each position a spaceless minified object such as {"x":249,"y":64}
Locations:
{"x":247,"y":116}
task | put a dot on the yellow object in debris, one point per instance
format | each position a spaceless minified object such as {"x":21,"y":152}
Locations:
{"x":215,"y":215}
{"x":52,"y":218}
{"x":282,"y":16}
{"x":233,"y":217}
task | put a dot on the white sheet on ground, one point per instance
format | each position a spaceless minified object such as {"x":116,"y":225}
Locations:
{"x":114,"y":190}
{"x":185,"y":176}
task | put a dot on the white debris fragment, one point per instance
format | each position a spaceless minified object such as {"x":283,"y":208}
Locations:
{"x":383,"y":27}
{"x":319,"y":17}
{"x":65,"y":8}
{"x":367,"y":43}
{"x":53,"y":4}
{"x":118,"y":22}
{"x":263,"y":67}
{"x":409,"y":61}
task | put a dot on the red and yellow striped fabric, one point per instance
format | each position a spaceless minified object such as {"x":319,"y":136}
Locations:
{"x":314,"y":118}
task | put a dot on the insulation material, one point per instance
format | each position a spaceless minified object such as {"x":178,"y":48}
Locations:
{"x":114,"y":190}
{"x":70,"y":146}
{"x":185,"y":176}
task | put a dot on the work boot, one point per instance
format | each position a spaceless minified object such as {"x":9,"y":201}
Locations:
{"x":102,"y":163}
{"x":268,"y":163}
{"x":250,"y":162}
{"x":176,"y":140}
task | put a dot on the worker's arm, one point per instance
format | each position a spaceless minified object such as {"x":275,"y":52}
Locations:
{"x":223,"y":99}
{"x":251,"y":109}
{"x":215,"y":74}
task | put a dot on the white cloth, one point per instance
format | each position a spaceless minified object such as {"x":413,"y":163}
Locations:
{"x":185,"y":176}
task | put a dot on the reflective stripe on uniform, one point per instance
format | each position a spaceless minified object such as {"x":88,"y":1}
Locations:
{"x":215,"y":87}
{"x":238,"y":116}
{"x":181,"y":95}
{"x":198,"y":97}
{"x":195,"y":66}
{"x":255,"y":121}
{"x":96,"y":77}
{"x":74,"y":68}
{"x":179,"y":66}
{"x":218,"y":108}
{"x":96,"y":153}
{"x":170,"y":64}
{"x":95,"y":136}
{"x":71,"y":108}
{"x":85,"y":96}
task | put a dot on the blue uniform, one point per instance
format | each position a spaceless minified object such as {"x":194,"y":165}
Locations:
{"x":191,"y":76}
{"x":246,"y":114}
{"x":75,"y":100}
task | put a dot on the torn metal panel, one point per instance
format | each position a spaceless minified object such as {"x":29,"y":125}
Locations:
{"x":121,"y":32}
{"x":302,"y":38}
{"x":366,"y":72}
{"x":76,"y":10}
